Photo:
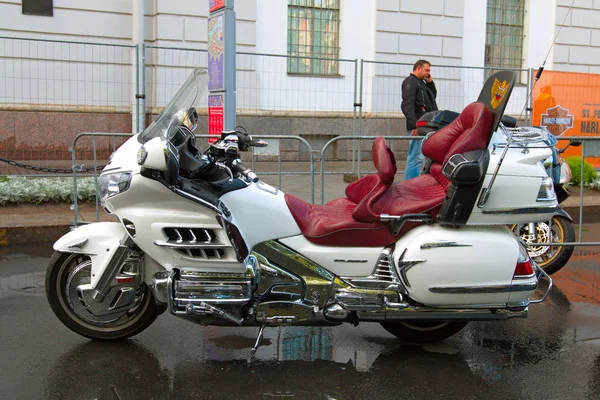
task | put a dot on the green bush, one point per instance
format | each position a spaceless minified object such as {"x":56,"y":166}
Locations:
{"x":21,"y":190}
{"x":589,"y":173}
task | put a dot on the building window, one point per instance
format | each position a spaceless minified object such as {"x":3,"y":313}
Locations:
{"x":504,"y":39}
{"x":313,"y":37}
{"x":37,"y":7}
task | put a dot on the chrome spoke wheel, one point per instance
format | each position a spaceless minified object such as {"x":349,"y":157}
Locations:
{"x":66,"y":273}
{"x":549,"y":258}
{"x":79,"y":272}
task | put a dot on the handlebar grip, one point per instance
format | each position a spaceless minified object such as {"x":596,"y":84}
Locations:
{"x":258,"y":143}
{"x":246,"y":172}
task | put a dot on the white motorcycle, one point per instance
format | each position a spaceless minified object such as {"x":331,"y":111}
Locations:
{"x":200,"y":235}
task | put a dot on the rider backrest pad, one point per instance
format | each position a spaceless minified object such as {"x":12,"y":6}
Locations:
{"x":470,"y":131}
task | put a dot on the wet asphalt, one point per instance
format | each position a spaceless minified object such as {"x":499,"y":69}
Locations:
{"x":554,"y":354}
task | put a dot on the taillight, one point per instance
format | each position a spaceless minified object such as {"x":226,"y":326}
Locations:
{"x":421,"y":124}
{"x":524,"y":268}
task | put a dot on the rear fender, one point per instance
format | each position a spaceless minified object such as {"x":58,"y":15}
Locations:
{"x":99,"y":241}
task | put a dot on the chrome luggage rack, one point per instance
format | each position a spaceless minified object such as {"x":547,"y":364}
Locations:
{"x":524,"y":137}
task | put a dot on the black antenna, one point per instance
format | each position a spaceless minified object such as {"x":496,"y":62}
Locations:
{"x":541,"y":69}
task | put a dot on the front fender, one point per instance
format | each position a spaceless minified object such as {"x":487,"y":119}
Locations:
{"x":562,"y":213}
{"x":99,"y":241}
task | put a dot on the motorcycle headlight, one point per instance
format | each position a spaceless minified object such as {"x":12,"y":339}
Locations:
{"x":112,"y":184}
{"x":546,"y":192}
{"x":565,"y":173}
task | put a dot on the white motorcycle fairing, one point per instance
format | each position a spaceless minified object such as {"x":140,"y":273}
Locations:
{"x":260,"y":213}
{"x":347,"y":262}
{"x":158,"y":216}
{"x":522,"y":173}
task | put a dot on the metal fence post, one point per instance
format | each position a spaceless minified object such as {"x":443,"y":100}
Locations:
{"x":140,"y":86}
{"x":356,"y":104}
{"x":360,"y":93}
{"x":530,"y":95}
{"x":75,"y":193}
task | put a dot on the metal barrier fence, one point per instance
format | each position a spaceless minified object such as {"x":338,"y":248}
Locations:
{"x":456,"y":87}
{"x":262,"y":82}
{"x":294,"y":179}
{"x":59,"y":75}
{"x":89,"y":79}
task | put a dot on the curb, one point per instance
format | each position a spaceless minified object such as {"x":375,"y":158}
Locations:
{"x":20,"y":235}
{"x":591,"y":213}
{"x":23,"y":235}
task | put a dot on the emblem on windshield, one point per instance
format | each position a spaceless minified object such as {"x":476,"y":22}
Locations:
{"x":499,"y":90}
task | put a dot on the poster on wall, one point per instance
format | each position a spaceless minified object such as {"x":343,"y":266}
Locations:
{"x":216,"y":104}
{"x":568,"y":104}
{"x":214,"y":5}
{"x":216,"y":48}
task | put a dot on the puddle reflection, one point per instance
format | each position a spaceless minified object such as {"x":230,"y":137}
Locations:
{"x":338,"y":362}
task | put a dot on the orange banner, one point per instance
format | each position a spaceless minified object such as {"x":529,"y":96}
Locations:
{"x":568,"y":104}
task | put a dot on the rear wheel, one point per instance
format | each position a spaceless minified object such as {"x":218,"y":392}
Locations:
{"x":423,"y":331}
{"x":550,"y":258}
{"x":65,"y":273}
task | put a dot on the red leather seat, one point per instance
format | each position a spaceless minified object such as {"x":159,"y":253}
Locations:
{"x":355,"y":220}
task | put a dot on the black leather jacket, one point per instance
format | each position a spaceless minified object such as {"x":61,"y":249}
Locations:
{"x":418,"y":98}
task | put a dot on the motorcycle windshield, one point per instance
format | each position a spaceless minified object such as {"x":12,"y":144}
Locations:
{"x":170,"y":118}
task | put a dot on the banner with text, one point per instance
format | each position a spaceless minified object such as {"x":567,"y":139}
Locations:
{"x":568,"y":104}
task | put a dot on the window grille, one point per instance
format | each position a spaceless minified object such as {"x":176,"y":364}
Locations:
{"x":313,"y":37}
{"x":504,"y":38}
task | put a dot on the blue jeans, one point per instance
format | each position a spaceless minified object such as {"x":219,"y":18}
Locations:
{"x":414,"y":160}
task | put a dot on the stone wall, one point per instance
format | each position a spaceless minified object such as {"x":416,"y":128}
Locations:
{"x":47,"y":135}
{"x":30,"y":135}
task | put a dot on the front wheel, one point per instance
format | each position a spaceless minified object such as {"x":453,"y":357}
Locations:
{"x":550,"y":258}
{"x":423,"y":331}
{"x":65,"y":273}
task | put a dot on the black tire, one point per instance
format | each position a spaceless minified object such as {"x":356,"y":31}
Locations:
{"x":132,"y":322}
{"x":423,"y":331}
{"x":550,"y":259}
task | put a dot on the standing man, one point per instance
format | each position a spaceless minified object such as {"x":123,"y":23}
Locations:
{"x":418,"y":97}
